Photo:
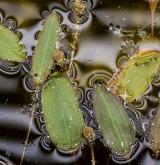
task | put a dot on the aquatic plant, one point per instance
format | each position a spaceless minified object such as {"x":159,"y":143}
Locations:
{"x":43,"y":57}
{"x":63,"y":119}
{"x":113,"y":121}
{"x":155,"y":134}
{"x":61,"y":112}
{"x":11,"y":49}
{"x":133,"y":79}
{"x":59,"y":102}
{"x":153,"y":5}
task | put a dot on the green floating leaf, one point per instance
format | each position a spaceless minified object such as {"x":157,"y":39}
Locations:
{"x":10,"y":47}
{"x":114,"y":122}
{"x":155,"y":134}
{"x":45,"y":49}
{"x":137,"y":74}
{"x":63,"y":119}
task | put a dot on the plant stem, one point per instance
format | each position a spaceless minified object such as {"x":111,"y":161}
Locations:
{"x":153,"y":6}
{"x":30,"y":126}
{"x":74,"y":47}
{"x":92,"y":154}
{"x":79,"y":8}
{"x":108,"y":160}
{"x":152,"y":23}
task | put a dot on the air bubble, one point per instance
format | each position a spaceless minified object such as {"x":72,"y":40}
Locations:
{"x":156,"y":81}
{"x":73,"y":72}
{"x":11,"y":23}
{"x":89,"y":95}
{"x":140,"y":105}
{"x":121,"y":60}
{"x":129,"y":47}
{"x":28,"y":83}
{"x":46,"y":144}
{"x":80,"y":94}
{"x":9,"y":68}
{"x":59,"y":16}
{"x":66,"y":48}
{"x":73,"y":18}
{"x":86,"y":113}
{"x":99,"y":78}
{"x":37,"y":34}
{"x":117,"y":158}
{"x":27,"y":65}
{"x":87,"y":4}
{"x":45,"y":14}
{"x":82,"y":17}
{"x":19,"y":34}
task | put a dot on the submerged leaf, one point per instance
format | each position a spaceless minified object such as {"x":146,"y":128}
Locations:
{"x":45,"y":49}
{"x":10,"y":47}
{"x":136,"y":75}
{"x":63,"y":119}
{"x":114,"y":122}
{"x":155,"y":134}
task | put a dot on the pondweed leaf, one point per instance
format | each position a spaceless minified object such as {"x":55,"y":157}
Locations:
{"x":45,"y":49}
{"x":10,"y":47}
{"x":136,"y":75}
{"x":155,"y":134}
{"x":63,"y":119}
{"x":114,"y":122}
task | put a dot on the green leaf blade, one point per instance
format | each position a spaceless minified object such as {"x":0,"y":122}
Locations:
{"x":114,"y":122}
{"x":155,"y":134}
{"x":10,"y":47}
{"x":137,"y":74}
{"x":63,"y":119}
{"x":45,"y":49}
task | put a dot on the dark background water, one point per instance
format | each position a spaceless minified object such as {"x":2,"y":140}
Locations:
{"x":110,"y":32}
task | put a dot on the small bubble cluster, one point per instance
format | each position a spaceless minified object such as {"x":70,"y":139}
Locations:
{"x":11,"y":23}
{"x":81,"y":15}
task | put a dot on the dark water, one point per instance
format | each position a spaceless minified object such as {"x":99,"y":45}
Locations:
{"x":110,"y":32}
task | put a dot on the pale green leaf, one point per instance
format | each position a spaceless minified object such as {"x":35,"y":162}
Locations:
{"x":114,"y":122}
{"x":45,"y":49}
{"x":63,"y":119}
{"x":10,"y":47}
{"x":155,"y":134}
{"x":137,"y":74}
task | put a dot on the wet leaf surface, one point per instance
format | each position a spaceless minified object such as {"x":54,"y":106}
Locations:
{"x":155,"y":134}
{"x":61,"y":112}
{"x":137,"y":74}
{"x":114,"y":122}
{"x":10,"y":47}
{"x":45,"y":49}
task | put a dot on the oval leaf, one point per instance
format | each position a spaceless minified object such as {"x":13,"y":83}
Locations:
{"x":10,"y":47}
{"x":136,"y":75}
{"x":45,"y":49}
{"x":63,"y":119}
{"x":114,"y":122}
{"x":155,"y":134}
